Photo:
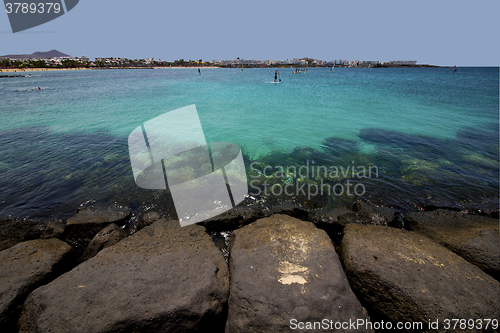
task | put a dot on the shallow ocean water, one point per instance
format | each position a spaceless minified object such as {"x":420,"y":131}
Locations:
{"x":431,"y":134}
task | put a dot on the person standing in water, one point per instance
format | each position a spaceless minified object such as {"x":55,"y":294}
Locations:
{"x":276,"y":76}
{"x":199,"y":71}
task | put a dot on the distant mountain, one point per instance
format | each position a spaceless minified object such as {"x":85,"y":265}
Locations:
{"x":43,"y":55}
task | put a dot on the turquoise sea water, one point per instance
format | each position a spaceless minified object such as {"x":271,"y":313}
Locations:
{"x":431,"y":133}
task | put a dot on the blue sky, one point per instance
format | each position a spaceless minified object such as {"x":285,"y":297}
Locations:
{"x":442,"y":32}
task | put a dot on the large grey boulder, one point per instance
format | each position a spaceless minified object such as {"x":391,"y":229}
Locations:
{"x":23,"y":268}
{"x":404,"y":276}
{"x":81,"y":228}
{"x":475,"y":238}
{"x":284,"y":269}
{"x":164,"y":278}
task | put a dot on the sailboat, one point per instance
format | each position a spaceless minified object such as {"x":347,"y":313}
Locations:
{"x":332,"y":69}
{"x":454,"y":69}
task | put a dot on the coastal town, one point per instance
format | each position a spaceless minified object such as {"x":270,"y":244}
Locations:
{"x":56,"y":59}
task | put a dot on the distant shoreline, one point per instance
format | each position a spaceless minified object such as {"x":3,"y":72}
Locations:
{"x":14,"y":70}
{"x":165,"y":67}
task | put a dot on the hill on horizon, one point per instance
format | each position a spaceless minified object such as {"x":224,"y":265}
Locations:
{"x":43,"y":55}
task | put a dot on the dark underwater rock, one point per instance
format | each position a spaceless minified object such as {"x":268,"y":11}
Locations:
{"x":23,"y":268}
{"x":283,"y":269}
{"x":404,"y":276}
{"x":414,"y":144}
{"x":164,"y":278}
{"x":475,"y":238}
{"x":339,"y":146}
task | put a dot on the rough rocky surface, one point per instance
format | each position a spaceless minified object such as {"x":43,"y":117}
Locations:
{"x":13,"y":231}
{"x":336,"y":219}
{"x":333,"y":221}
{"x":330,"y":220}
{"x":324,"y":216}
{"x":404,"y":276}
{"x":475,"y":238}
{"x":148,"y":219}
{"x":234,"y":218}
{"x":290,"y":209}
{"x":283,"y":269}
{"x":164,"y":278}
{"x":24,"y":267}
{"x":53,"y":229}
{"x":108,"y":236}
{"x":82,"y":227}
{"x":367,"y":214}
{"x":489,"y":207}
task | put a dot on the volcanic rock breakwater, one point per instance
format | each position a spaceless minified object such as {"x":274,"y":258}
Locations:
{"x":251,"y":269}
